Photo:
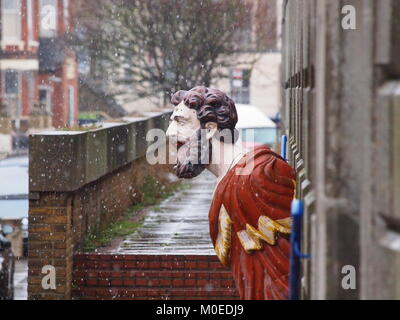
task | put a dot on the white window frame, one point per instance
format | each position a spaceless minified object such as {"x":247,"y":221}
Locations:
{"x":71,"y":105}
{"x":30,"y":80}
{"x":29,"y":17}
{"x":17,"y":40}
{"x":48,"y":33}
{"x":66,"y":14}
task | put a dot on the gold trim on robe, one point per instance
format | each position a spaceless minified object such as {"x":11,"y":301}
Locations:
{"x":257,"y":234}
{"x":287,"y":223}
{"x":249,"y":241}
{"x":294,"y":188}
{"x":223,"y":242}
{"x":267,"y":229}
{"x":250,"y":238}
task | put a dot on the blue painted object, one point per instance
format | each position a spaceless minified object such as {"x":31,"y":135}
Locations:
{"x":297,"y":210}
{"x":283,"y":146}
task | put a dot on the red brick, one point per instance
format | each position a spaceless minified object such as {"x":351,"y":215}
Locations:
{"x":116,"y":282}
{"x":202,"y":282}
{"x":88,"y":292}
{"x":191,"y":265}
{"x":203,"y":275}
{"x":178,"y":265}
{"x":165,"y":282}
{"x":190,"y":282}
{"x":78,"y":282}
{"x":92,"y":274}
{"x":129,"y":265}
{"x":165,"y":274}
{"x":107,"y":292}
{"x":80,"y":265}
{"x":153,"y":282}
{"x":202,"y":265}
{"x":78,"y":274}
{"x":154,"y":264}
{"x":178,"y":282}
{"x":105,"y":257}
{"x":167,"y":264}
{"x":215,"y":283}
{"x":227,"y":283}
{"x":116,"y":274}
{"x":130,"y":282}
{"x":105,"y":274}
{"x":103,"y":282}
{"x":198,"y":257}
{"x":146,"y":257}
{"x":93,"y":257}
{"x":181,"y":274}
{"x":86,"y":265}
{"x":141,"y":282}
{"x":127,"y":257}
{"x":91,"y":282}
{"x":141,"y":264}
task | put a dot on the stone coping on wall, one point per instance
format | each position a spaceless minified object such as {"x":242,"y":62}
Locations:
{"x":64,"y":161}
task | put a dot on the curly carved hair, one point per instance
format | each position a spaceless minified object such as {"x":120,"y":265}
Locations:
{"x":211,"y":105}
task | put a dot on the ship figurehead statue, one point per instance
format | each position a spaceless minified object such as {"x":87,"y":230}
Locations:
{"x":249,"y":217}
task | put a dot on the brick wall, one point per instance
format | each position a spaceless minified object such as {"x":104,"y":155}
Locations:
{"x":142,"y":277}
{"x":59,"y":222}
{"x":50,"y":243}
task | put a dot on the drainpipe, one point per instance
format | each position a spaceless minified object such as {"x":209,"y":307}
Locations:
{"x":283,"y":146}
{"x":297,"y":210}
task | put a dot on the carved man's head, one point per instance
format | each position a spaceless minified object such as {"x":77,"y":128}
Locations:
{"x":200,"y":114}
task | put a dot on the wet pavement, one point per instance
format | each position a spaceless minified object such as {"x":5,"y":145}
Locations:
{"x":179,"y":225}
{"x":21,"y":280}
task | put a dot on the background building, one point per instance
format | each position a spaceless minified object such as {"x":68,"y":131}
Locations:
{"x":253,"y":79}
{"x":39,"y":83}
{"x":256,"y":78}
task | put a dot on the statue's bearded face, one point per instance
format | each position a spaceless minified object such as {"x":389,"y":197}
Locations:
{"x":187,"y":137}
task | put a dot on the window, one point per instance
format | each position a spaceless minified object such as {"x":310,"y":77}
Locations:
{"x":11,"y":21}
{"x":11,"y":90}
{"x":240,"y":85}
{"x":45,"y":98}
{"x":48,"y":18}
{"x":244,"y":35}
{"x":259,"y":136}
{"x":11,"y":83}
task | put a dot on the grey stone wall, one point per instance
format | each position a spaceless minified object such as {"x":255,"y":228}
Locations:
{"x":68,"y":160}
{"x":341,"y":113}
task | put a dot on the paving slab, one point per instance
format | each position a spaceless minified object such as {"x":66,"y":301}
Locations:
{"x":21,"y":279}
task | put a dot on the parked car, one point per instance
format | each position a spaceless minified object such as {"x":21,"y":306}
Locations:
{"x":14,"y":201}
{"x":7,"y":264}
{"x":255,"y":128}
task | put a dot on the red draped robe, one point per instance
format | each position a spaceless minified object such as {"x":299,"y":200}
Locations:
{"x":266,"y":190}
